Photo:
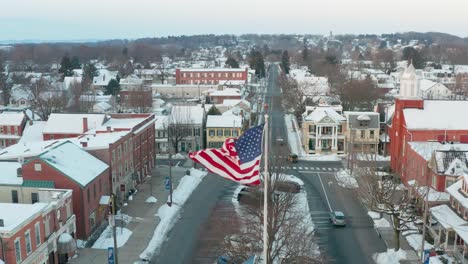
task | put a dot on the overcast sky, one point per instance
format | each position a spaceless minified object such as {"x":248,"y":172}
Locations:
{"x":105,"y":19}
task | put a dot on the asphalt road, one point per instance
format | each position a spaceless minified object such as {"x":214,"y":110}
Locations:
{"x":182,"y":240}
{"x":355,"y":243}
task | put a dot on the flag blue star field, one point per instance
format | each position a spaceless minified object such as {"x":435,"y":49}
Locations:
{"x":238,"y":159}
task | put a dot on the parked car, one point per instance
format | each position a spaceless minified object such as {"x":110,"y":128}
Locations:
{"x":338,"y":218}
{"x":292,"y":158}
{"x":288,"y":186}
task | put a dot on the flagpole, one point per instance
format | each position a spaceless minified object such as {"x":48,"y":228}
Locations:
{"x":265,"y":193}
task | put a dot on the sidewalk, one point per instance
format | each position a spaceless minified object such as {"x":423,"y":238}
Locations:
{"x":387,"y":235}
{"x":143,"y":216}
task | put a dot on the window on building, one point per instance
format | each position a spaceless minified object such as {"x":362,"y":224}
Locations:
{"x":219,"y":133}
{"x":38,"y":167}
{"x":68,"y":209}
{"x":94,"y":190}
{"x":197,"y":132}
{"x":1,"y":129}
{"x":235,"y":133}
{"x":18,"y":250}
{"x":16,"y":130}
{"x":27,"y":237}
{"x":51,"y":136}
{"x":14,"y":196}
{"x":311,"y":128}
{"x":434,"y":181}
{"x":340,"y":128}
{"x":100,"y":186}
{"x":37,"y":232}
{"x":371,"y":134}
{"x":88,"y":195}
{"x":92,"y":219}
{"x":363,"y":133}
{"x":34,"y":198}
{"x":227,"y":132}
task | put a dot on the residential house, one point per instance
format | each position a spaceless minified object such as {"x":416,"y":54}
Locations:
{"x":323,"y":130}
{"x":11,"y":127}
{"x":161,"y":125}
{"x":362,"y":132}
{"x":70,"y":167}
{"x":218,"y":96}
{"x":219,"y":128}
{"x":186,"y":124}
{"x":102,"y":80}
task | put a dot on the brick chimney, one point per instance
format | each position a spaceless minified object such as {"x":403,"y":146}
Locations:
{"x":109,"y":129}
{"x":85,"y":124}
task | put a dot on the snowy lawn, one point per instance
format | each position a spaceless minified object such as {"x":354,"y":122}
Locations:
{"x":106,"y":240}
{"x":389,"y":257}
{"x":345,"y":180}
{"x":168,"y":215}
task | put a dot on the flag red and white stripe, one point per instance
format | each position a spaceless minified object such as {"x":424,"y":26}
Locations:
{"x":226,"y":163}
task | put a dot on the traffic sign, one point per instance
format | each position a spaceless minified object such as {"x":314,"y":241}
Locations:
{"x":167,"y":183}
{"x":110,"y":255}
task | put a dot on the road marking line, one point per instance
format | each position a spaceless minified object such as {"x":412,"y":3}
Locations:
{"x":300,"y":168}
{"x":294,"y":168}
{"x":325,"y":192}
{"x":329,"y":169}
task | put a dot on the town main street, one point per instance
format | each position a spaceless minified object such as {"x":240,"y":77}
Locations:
{"x":355,"y":243}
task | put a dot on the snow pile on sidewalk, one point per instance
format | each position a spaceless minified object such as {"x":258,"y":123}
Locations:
{"x":168,"y":215}
{"x":389,"y":257}
{"x":415,"y":239}
{"x":294,"y":135}
{"x":151,"y":199}
{"x":379,"y":222}
{"x":345,"y":180}
{"x":106,"y":239}
{"x":370,"y":157}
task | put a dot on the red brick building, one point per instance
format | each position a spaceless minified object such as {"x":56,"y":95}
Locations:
{"x":70,"y":167}
{"x":11,"y":128}
{"x":41,"y":232}
{"x":141,"y":128}
{"x":211,"y":76}
{"x":419,"y":124}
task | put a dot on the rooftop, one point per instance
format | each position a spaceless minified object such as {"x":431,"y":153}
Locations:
{"x":72,"y":123}
{"x":212,"y":69}
{"x":11,"y":118}
{"x":18,"y":214}
{"x":229,"y":121}
{"x":438,"y":115}
{"x":9,"y":175}
{"x":74,"y":162}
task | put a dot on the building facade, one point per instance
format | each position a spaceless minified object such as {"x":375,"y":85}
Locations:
{"x":40,"y":233}
{"x":11,"y":128}
{"x":219,"y":128}
{"x":362,"y":132}
{"x":210,"y":76}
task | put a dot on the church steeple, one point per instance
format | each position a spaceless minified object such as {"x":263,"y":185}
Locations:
{"x":409,"y":82}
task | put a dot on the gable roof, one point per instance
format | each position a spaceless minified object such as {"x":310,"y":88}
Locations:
{"x":11,"y":118}
{"x":452,"y":162}
{"x":324,"y":111}
{"x":72,"y":123}
{"x":438,"y":115}
{"x":75,"y":163}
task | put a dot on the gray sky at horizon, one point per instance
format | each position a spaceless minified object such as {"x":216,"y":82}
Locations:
{"x":109,"y":19}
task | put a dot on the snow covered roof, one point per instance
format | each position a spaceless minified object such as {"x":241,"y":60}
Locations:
{"x":18,"y":214}
{"x":104,"y":77}
{"x":450,"y":220}
{"x":69,"y":80}
{"x":452,"y":159}
{"x":33,"y":132}
{"x":228,"y":121}
{"x":27,"y":149}
{"x":74,"y":163}
{"x":11,"y":118}
{"x":226,"y":92}
{"x":322,"y":112}
{"x":131,"y":80}
{"x":161,"y":122}
{"x":187,"y":114}
{"x":122,"y":123}
{"x":72,"y":123}
{"x":461,"y":69}
{"x":438,"y":115}
{"x":453,"y":190}
{"x":425,"y":84}
{"x":433,"y":195}
{"x":424,"y":149}
{"x":20,"y":91}
{"x":103,"y":106}
{"x":9,"y":175}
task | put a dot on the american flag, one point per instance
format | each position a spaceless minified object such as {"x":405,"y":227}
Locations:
{"x":237,"y":160}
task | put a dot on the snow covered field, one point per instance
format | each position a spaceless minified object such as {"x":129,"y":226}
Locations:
{"x":168,"y":215}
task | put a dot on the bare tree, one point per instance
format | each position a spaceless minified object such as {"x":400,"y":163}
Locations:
{"x":163,"y":68}
{"x":46,"y":98}
{"x":180,"y":126}
{"x":295,"y":95}
{"x":290,"y":239}
{"x":386,"y":196}
{"x":138,"y":99}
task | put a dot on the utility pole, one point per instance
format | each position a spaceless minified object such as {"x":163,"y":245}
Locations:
{"x":170,"y":180}
{"x":114,"y":230}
